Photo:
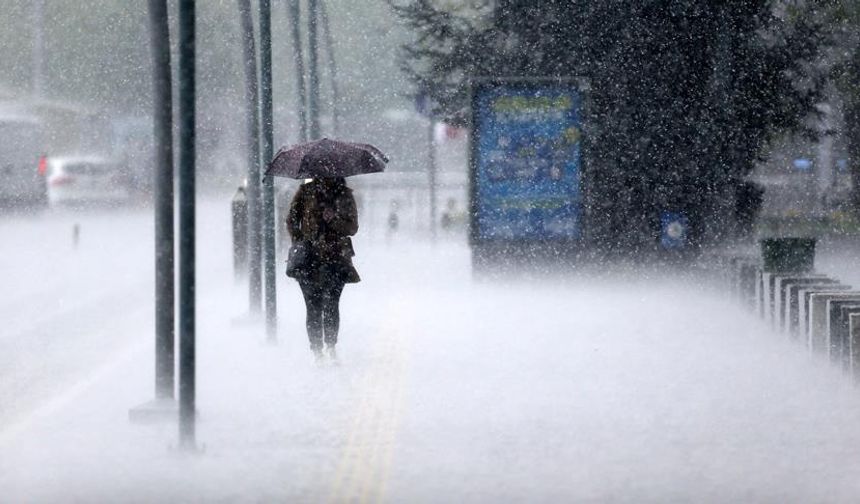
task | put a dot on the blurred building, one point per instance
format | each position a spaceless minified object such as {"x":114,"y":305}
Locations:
{"x":805,"y":179}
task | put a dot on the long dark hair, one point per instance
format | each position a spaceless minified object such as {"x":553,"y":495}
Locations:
{"x":333,"y":185}
{"x":330,"y":188}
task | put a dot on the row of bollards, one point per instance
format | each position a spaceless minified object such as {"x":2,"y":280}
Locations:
{"x":810,"y":308}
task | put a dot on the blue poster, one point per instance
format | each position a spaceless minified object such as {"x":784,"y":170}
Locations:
{"x":527,"y":162}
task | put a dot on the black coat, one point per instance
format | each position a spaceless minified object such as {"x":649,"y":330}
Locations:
{"x":329,"y":239}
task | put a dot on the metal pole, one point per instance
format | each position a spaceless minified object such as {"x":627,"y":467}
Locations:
{"x":299,"y":62}
{"x":249,"y":58}
{"x":164,"y":235}
{"x":187,"y":357}
{"x":38,"y":54}
{"x":313,"y":72}
{"x":332,"y":68}
{"x":431,"y":171}
{"x":266,"y":157}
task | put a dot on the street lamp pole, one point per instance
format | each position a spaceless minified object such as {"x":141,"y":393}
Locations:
{"x":266,"y":156}
{"x":294,"y":14}
{"x":187,"y":227}
{"x":313,"y":71}
{"x":164,"y":194}
{"x":332,"y":67}
{"x":249,"y":59}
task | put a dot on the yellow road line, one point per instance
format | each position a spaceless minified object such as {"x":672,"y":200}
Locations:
{"x":366,"y":460}
{"x":392,"y":433}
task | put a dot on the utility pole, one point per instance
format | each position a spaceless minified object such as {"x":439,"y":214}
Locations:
{"x":313,"y":71}
{"x":187,"y":227}
{"x":294,"y":14}
{"x":266,"y":157}
{"x":249,"y":59}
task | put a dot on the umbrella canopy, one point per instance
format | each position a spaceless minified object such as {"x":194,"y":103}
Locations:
{"x":327,"y":158}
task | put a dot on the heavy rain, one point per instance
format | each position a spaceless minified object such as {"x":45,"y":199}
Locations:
{"x":429,"y":251}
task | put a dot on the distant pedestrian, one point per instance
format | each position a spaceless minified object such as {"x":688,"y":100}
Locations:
{"x":323,"y":216}
{"x":449,"y":214}
{"x":393,"y":220}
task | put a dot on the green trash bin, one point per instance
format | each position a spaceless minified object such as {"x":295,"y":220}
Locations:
{"x":788,"y":254}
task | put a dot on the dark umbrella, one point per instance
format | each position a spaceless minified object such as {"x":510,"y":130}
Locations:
{"x":327,"y":159}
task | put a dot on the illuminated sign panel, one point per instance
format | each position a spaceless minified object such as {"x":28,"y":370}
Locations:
{"x":526,"y":161}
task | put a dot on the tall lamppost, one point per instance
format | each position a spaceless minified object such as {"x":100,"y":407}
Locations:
{"x":252,"y":101}
{"x":164,"y":194}
{"x":313,"y":71}
{"x":294,"y":15}
{"x":187,"y":226}
{"x":266,"y":155}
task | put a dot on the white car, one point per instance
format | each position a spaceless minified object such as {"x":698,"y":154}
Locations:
{"x":85,"y":180}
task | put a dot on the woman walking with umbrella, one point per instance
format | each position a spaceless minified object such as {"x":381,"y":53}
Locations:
{"x":322,"y":218}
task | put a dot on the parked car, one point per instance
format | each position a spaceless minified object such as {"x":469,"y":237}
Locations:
{"x":85,"y":180}
{"x":21,"y":181}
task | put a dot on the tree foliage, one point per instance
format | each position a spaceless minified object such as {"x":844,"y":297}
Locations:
{"x":843,"y":20}
{"x":684,"y":93}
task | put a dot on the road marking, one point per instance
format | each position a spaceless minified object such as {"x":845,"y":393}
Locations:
{"x":70,"y":394}
{"x":366,"y":460}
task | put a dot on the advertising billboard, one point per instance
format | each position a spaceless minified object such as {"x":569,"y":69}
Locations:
{"x":526,"y":161}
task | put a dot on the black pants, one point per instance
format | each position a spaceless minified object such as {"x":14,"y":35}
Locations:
{"x":322,"y":300}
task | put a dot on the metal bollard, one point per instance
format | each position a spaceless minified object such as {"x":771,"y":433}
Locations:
{"x":239,"y":210}
{"x":839,"y":311}
{"x":780,"y":292}
{"x":854,"y":346}
{"x":820,"y":307}
{"x":788,"y":305}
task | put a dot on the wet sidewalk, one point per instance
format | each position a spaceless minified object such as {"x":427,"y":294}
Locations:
{"x":579,"y":389}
